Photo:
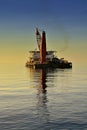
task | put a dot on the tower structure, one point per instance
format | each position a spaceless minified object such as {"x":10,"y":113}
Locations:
{"x":43,"y":48}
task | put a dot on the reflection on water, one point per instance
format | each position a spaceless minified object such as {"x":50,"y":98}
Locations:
{"x":58,"y":99}
{"x":42,"y":99}
{"x":42,"y":109}
{"x":41,"y":106}
{"x":43,"y":85}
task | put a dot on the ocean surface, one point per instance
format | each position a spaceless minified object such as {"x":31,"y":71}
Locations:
{"x":43,"y":99}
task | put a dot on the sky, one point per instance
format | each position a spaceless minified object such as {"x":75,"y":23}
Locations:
{"x":65,"y":23}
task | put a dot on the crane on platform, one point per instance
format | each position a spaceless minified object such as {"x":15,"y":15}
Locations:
{"x":38,"y":38}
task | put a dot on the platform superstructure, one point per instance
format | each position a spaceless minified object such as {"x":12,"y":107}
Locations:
{"x":44,"y":58}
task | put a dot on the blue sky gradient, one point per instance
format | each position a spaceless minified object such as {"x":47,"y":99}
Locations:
{"x":65,"y":22}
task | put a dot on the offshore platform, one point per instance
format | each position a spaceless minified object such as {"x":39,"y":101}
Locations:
{"x":43,"y":58}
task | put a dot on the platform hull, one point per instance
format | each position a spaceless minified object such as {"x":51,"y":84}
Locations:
{"x":49,"y":65}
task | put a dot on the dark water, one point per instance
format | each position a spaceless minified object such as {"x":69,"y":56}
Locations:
{"x":43,"y":99}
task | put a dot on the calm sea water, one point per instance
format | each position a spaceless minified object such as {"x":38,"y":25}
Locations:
{"x":43,"y":99}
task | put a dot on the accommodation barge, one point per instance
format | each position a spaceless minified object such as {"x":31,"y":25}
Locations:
{"x":43,"y":58}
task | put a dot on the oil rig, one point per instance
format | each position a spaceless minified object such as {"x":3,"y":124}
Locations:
{"x":43,"y":58}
